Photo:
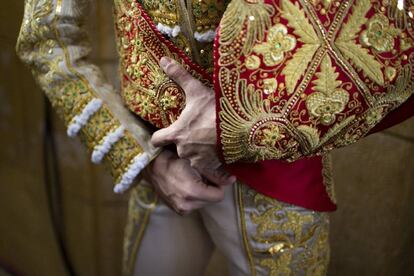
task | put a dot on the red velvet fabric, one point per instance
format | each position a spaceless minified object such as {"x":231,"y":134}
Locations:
{"x":299,"y":183}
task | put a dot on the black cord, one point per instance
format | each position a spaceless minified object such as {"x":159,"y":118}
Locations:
{"x":53,"y":186}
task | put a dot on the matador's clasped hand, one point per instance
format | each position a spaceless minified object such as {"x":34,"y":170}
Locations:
{"x":194,"y":132}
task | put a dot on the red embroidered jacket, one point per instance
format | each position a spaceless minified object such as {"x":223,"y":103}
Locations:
{"x":293,"y":80}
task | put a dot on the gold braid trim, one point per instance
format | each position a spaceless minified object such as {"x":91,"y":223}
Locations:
{"x":42,"y":47}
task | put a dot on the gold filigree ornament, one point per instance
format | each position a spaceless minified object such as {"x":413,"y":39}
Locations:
{"x":278,"y":43}
{"x":296,"y":66}
{"x":239,"y":13}
{"x":253,"y":62}
{"x":271,"y":135}
{"x":249,"y":135}
{"x":401,"y":11}
{"x":326,"y":3}
{"x":346,"y":43}
{"x":374,"y":116}
{"x":379,"y":34}
{"x":269,"y":86}
{"x":329,"y":99}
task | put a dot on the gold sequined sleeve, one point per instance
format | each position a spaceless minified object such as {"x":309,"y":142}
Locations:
{"x":54,"y":44}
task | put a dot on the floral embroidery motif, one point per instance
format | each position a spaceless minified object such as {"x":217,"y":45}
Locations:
{"x":296,"y":66}
{"x":379,"y":34}
{"x":145,"y":105}
{"x":169,"y":101}
{"x":271,"y":135}
{"x":325,"y":3}
{"x":332,"y":72}
{"x":278,"y":43}
{"x":329,"y":99}
{"x":252,"y":62}
{"x":269,"y":86}
{"x":374,"y":116}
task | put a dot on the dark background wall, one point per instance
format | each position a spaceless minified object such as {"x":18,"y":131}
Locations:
{"x":42,"y":170}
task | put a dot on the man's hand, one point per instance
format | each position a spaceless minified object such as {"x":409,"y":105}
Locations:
{"x":181,"y":186}
{"x":194,"y":132}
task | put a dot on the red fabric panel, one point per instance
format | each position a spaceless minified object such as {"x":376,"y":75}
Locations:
{"x":299,"y":183}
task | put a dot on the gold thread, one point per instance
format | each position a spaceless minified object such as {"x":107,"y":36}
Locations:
{"x":240,"y":204}
{"x":81,"y":78}
{"x":137,"y":243}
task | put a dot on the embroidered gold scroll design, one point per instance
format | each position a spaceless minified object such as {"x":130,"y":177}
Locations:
{"x":253,"y":126}
{"x":284,"y":239}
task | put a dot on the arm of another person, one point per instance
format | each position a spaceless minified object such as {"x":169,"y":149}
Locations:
{"x":54,"y":45}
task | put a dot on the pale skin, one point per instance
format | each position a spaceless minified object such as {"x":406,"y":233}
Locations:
{"x":182,"y":181}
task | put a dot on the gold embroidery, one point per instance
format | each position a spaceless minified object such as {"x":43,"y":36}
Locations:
{"x":358,"y":55}
{"x":331,"y":91}
{"x":67,"y":89}
{"x":328,"y":179}
{"x":278,"y":42}
{"x":100,"y":123}
{"x":379,"y":34}
{"x":401,"y":15}
{"x":207,"y":13}
{"x":251,"y":145}
{"x":142,"y":201}
{"x":329,"y":99}
{"x":355,"y":21}
{"x":146,"y":89}
{"x":252,"y":62}
{"x":162,"y":11}
{"x":296,"y":67}
{"x":390,"y":73}
{"x":255,"y":14}
{"x":326,"y":3}
{"x":238,"y":190}
{"x":269,"y":86}
{"x":283,"y":239}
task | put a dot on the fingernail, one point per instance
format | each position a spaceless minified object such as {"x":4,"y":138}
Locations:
{"x":164,"y":61}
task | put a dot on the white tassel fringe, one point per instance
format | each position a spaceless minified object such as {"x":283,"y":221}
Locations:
{"x":400,"y":5}
{"x":139,"y":162}
{"x":171,"y":32}
{"x":80,"y":120}
{"x":205,"y":36}
{"x":101,"y":150}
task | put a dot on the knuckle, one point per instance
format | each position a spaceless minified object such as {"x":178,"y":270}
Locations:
{"x":190,"y":194}
{"x":181,"y":152}
{"x":196,"y":164}
{"x":183,"y":209}
{"x":179,"y":206}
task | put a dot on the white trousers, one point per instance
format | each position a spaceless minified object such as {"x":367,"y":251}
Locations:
{"x":257,"y":235}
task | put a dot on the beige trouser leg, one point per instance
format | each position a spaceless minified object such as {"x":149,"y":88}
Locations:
{"x":256,"y":234}
{"x":172,"y":245}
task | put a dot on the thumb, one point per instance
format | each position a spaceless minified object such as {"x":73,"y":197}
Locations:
{"x":163,"y":137}
{"x":175,"y":71}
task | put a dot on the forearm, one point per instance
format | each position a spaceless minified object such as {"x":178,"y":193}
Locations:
{"x":54,"y":45}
